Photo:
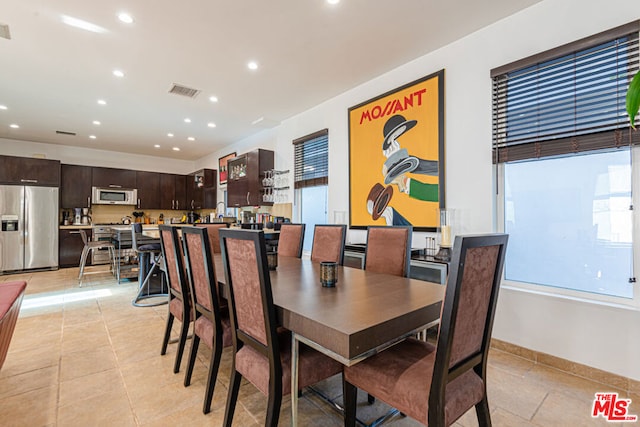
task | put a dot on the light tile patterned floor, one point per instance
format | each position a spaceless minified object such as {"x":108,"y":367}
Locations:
{"x":87,"y":357}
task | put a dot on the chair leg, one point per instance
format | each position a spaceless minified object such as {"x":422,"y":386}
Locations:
{"x":232,"y":397}
{"x":273,"y":408}
{"x":167,"y":334}
{"x":184,"y":330}
{"x":482,"y":412}
{"x":214,"y":365}
{"x":195,"y":343}
{"x":350,"y":394}
{"x":83,"y":260}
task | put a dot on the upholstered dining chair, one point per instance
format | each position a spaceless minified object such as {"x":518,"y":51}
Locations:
{"x":211,"y":322}
{"x":328,"y":243}
{"x":262,"y":351}
{"x":388,"y":249}
{"x":437,"y":385}
{"x":179,"y":299}
{"x":214,"y":238}
{"x":291,"y":240}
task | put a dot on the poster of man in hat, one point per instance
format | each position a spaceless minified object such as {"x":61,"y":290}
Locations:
{"x":396,"y":141}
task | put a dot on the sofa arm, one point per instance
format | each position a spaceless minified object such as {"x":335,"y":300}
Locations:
{"x":11,"y":294}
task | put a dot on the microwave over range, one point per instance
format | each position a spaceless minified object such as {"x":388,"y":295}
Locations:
{"x":114,"y":196}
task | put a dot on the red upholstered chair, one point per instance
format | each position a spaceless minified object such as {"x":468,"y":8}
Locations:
{"x":179,"y":299}
{"x":328,"y":243}
{"x":388,"y":250}
{"x":262,"y":351}
{"x":437,"y":385}
{"x":214,"y":238}
{"x":11,"y":294}
{"x":291,"y":240}
{"x":212,"y":324}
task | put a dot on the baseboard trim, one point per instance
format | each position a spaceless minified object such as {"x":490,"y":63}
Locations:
{"x":603,"y":377}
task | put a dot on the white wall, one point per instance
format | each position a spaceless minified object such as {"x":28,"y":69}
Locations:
{"x":93,"y":157}
{"x":593,"y":334}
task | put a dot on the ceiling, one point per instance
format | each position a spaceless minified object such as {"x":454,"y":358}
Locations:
{"x":308,"y":51}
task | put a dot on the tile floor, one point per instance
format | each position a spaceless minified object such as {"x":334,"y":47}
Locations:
{"x":87,"y":357}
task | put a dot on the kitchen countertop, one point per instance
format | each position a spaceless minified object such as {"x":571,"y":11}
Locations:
{"x":76,"y":227}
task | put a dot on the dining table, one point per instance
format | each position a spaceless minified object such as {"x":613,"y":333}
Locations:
{"x":364,"y":313}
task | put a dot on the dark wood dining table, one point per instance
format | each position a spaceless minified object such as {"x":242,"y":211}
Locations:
{"x":364,"y":313}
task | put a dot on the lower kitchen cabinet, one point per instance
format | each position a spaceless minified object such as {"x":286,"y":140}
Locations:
{"x":70,"y":247}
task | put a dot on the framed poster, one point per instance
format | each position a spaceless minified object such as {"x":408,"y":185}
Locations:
{"x":396,"y":156}
{"x":222,"y":167}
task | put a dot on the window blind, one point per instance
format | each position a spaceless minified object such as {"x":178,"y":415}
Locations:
{"x":311,"y":161}
{"x":568,"y":100}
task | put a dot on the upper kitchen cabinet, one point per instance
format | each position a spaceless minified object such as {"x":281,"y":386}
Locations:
{"x":29,"y":171}
{"x":173,"y":191}
{"x":113,"y":178}
{"x":244,"y":182}
{"x":148,"y":185}
{"x":75,"y":186}
{"x":201,"y":189}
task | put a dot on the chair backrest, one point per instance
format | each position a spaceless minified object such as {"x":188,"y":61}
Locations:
{"x":388,"y":249}
{"x":201,"y":270}
{"x":469,"y":307}
{"x":328,"y":243}
{"x":290,"y":240}
{"x":136,"y":231}
{"x":174,"y":260}
{"x":83,"y":234}
{"x":214,"y":238}
{"x":253,"y":315}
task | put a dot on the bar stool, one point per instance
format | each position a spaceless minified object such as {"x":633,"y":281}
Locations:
{"x":151,"y":251}
{"x":91,"y":247}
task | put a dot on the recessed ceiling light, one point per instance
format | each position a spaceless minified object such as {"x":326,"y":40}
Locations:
{"x":252,"y":65}
{"x":333,"y":1}
{"x":83,"y":25}
{"x":92,"y":136}
{"x":118,"y":73}
{"x":156,"y":146}
{"x":211,"y":124}
{"x":96,"y":122}
{"x":3,"y":107}
{"x":176,"y":149}
{"x":191,"y":138}
{"x":14,"y":126}
{"x":187,"y":120}
{"x":125,"y":17}
{"x":102,"y":102}
{"x":170,"y":135}
{"x":213,"y":98}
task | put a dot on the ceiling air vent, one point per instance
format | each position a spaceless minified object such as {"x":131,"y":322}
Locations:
{"x":61,"y":132}
{"x":4,"y":32}
{"x":184,"y":91}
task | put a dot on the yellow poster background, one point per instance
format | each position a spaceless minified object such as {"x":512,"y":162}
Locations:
{"x":418,"y":101}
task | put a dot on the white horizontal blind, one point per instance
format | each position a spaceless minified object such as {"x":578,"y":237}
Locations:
{"x":311,"y":161}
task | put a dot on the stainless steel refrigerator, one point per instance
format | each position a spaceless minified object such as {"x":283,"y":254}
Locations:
{"x":29,"y":234}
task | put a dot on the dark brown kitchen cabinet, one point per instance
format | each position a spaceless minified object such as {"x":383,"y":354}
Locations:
{"x":148,"y":185}
{"x":244,"y":182}
{"x":70,"y":248}
{"x":75,"y":186}
{"x":29,"y":171}
{"x":201,"y":189}
{"x":173,"y":191}
{"x":113,"y":178}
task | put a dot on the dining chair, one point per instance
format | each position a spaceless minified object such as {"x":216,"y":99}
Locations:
{"x":262,"y":351}
{"x":179,"y":299}
{"x":388,"y":249}
{"x":211,"y":322}
{"x":214,"y":238}
{"x":328,"y":243}
{"x":291,"y":240}
{"x":436,"y":385}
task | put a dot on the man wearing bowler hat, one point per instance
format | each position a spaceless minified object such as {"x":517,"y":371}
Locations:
{"x":399,"y":163}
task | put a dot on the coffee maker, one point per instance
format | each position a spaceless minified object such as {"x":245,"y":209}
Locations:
{"x":77,"y":216}
{"x":86,"y":219}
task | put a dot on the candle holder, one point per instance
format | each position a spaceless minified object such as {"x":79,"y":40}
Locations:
{"x":328,"y":274}
{"x":446,"y":235}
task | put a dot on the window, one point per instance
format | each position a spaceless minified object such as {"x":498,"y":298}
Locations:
{"x":311,"y":177}
{"x":561,"y":139}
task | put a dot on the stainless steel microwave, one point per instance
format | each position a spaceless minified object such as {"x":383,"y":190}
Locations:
{"x":114,"y":196}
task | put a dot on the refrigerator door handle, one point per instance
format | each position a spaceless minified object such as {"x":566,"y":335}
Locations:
{"x":31,"y":181}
